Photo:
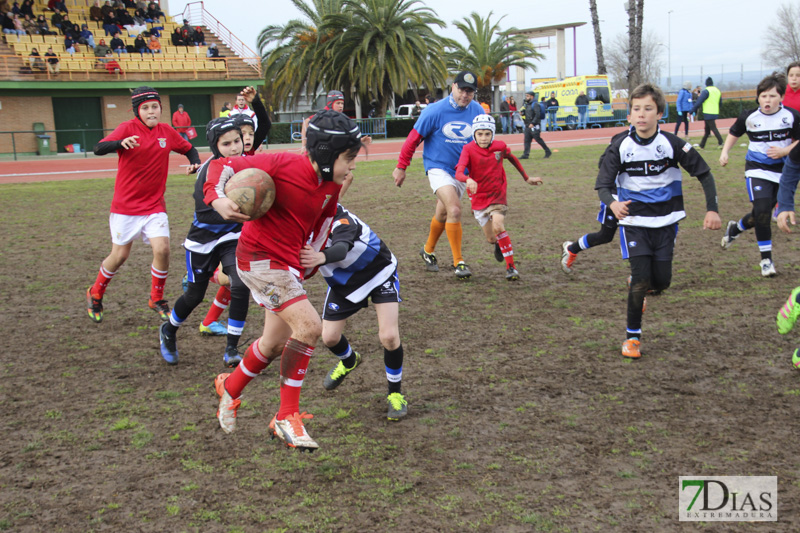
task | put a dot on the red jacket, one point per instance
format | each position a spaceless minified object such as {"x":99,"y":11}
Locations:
{"x":181,"y":121}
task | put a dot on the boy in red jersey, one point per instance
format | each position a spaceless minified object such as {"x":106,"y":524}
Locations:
{"x":486,"y":186}
{"x":138,"y":208}
{"x":306,"y":193}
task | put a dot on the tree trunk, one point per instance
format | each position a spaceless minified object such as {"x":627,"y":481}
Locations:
{"x":634,"y":59}
{"x":598,"y":41}
{"x":638,"y":39}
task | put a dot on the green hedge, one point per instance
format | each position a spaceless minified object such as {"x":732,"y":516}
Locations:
{"x":727,"y":109}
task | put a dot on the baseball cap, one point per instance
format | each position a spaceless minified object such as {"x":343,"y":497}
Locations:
{"x":466,"y":80}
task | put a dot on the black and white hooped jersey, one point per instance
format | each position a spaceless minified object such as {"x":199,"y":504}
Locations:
{"x":779,"y":129}
{"x":208,"y":228}
{"x":648,"y":175}
{"x":368,"y":263}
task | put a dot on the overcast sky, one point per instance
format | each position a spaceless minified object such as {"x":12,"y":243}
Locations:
{"x":714,"y":34}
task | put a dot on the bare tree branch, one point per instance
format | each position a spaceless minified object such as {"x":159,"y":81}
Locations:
{"x":782,"y":42}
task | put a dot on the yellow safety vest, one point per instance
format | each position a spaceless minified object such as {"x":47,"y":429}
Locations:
{"x":711,"y":104}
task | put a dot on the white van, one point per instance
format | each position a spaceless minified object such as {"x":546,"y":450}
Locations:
{"x":404,"y":111}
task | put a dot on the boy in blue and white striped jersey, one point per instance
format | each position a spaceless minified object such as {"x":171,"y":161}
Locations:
{"x":644,"y":167}
{"x":771,"y":128}
{"x":358,"y":267}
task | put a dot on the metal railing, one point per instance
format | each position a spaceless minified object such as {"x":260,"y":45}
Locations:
{"x":196,"y":14}
{"x":133,"y":66}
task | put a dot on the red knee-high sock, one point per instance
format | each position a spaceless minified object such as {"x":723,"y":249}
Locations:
{"x":159,"y":279}
{"x":294,"y":361}
{"x":103,"y":279}
{"x":221,"y":301}
{"x":505,"y":246}
{"x":251,"y":366}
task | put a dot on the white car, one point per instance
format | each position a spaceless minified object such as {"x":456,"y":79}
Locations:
{"x":405,"y":111}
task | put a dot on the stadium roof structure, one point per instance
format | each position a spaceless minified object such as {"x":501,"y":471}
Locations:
{"x":556,"y":31}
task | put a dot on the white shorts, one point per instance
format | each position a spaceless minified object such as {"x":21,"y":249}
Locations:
{"x":273,"y":289}
{"x":125,"y":228}
{"x":484,"y":215}
{"x":438,"y":178}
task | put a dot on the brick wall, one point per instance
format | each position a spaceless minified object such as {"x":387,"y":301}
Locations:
{"x":18,"y":114}
{"x":118,"y":109}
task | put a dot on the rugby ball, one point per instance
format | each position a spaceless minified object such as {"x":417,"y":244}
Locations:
{"x":253,"y":191}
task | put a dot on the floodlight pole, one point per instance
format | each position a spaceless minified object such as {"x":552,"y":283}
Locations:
{"x":669,"y":50}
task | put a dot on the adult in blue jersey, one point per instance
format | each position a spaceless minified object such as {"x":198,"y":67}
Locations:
{"x":445,"y":127}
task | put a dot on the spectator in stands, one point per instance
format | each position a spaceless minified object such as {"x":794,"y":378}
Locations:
{"x":35,"y":60}
{"x":198,"y":37}
{"x":177,"y":38}
{"x":113,"y":66}
{"x":186,"y":28}
{"x":10,"y":26}
{"x":141,"y":4}
{"x":30,"y":26}
{"x":69,"y":45}
{"x":61,"y":6}
{"x":154,"y":13}
{"x":140,"y":45}
{"x":154,"y":45}
{"x":27,"y":9}
{"x":95,"y":12}
{"x":130,"y":4}
{"x":226,"y":109}
{"x":213,"y":53}
{"x":66,"y":24}
{"x":52,"y":61}
{"x":15,"y":9}
{"x":118,"y":46}
{"x":138,"y":24}
{"x":101,"y":51}
{"x":181,"y":121}
{"x":106,"y":9}
{"x":74,"y":33}
{"x":86,"y":37}
{"x":51,"y":5}
{"x":110,"y":24}
{"x":123,"y":17}
{"x":44,"y":28}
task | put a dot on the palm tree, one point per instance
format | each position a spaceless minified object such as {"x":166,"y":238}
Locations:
{"x":382,"y":47}
{"x":490,"y":52}
{"x":295,"y":59}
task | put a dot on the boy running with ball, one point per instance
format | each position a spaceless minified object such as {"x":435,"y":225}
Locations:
{"x":486,"y":186}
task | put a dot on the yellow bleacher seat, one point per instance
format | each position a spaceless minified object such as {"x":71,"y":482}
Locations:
{"x":50,"y":39}
{"x":21,"y":48}
{"x":219,"y":65}
{"x":38,"y":39}
{"x":23,"y":38}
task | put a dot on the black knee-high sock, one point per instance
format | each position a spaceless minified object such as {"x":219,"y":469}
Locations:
{"x":344,"y":352}
{"x":393,"y":360}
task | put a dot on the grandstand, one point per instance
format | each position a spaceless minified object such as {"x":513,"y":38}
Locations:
{"x":84,"y":99}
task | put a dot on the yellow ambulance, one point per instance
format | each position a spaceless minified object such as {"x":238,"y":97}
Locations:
{"x":596,"y":88}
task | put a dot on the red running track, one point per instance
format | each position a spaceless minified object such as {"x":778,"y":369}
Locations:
{"x":75,"y":167}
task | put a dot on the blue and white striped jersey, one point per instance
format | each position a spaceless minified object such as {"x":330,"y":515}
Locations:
{"x":779,"y":129}
{"x":647,"y":173}
{"x":367,"y":265}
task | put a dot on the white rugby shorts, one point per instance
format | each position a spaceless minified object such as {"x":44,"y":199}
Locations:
{"x":438,"y":178}
{"x":126,"y":228}
{"x":484,"y":215}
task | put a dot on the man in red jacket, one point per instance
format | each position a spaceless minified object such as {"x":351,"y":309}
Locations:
{"x":181,"y":121}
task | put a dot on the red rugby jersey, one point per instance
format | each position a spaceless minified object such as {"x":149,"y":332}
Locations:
{"x":792,"y":98}
{"x":304,"y":209}
{"x":142,"y":171}
{"x":485,"y":166}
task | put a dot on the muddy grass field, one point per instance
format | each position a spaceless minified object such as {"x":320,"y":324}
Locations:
{"x":523,"y":416}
